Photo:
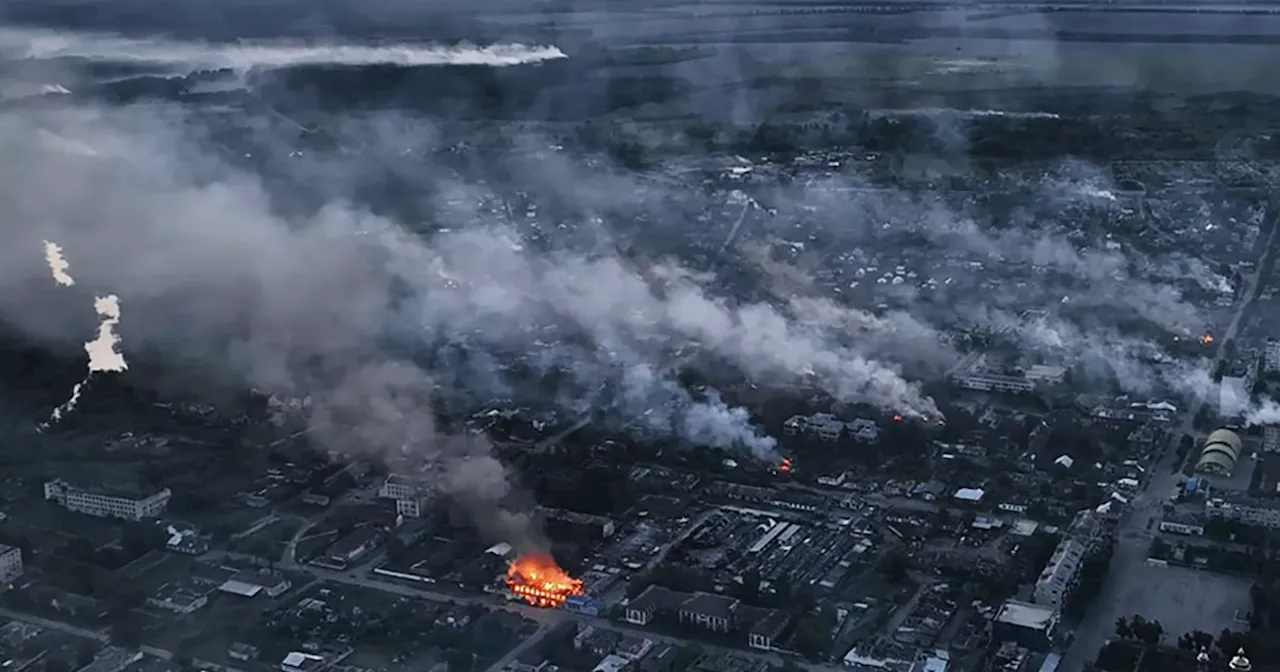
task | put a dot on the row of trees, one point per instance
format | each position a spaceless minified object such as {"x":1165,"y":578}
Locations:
{"x":1139,"y":629}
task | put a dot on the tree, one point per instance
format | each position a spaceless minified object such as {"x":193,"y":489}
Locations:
{"x":1116,"y":657}
{"x":813,"y":633}
{"x":1148,"y":632}
{"x":1123,"y":630}
{"x":85,"y":653}
{"x":894,"y":566}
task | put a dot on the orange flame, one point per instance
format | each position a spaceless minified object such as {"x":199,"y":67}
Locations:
{"x":1207,"y":338}
{"x":897,"y":418}
{"x":538,"y":580}
{"x":785,"y":467}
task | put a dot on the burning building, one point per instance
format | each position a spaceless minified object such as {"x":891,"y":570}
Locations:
{"x":538,"y":580}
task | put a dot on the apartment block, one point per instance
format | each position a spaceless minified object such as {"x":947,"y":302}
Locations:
{"x":106,"y":502}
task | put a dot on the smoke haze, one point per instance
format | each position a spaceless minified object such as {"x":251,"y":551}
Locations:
{"x":377,"y":318}
{"x":40,"y":44}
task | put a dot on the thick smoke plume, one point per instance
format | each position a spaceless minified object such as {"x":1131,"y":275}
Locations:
{"x":216,"y":279}
{"x":37,"y":44}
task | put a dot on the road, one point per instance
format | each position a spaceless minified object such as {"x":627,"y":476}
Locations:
{"x":96,"y":635}
{"x":528,"y":643}
{"x":1128,"y":566}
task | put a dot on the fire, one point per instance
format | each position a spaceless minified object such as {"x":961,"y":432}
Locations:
{"x":897,"y":418}
{"x":538,"y":580}
{"x":785,"y":467}
{"x":1207,"y":338}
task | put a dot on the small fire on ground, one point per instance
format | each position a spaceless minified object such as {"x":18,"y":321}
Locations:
{"x":785,"y":467}
{"x":538,"y":580}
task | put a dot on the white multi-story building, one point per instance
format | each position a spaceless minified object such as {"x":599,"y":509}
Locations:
{"x":1271,"y":356}
{"x":411,"y":494}
{"x":1247,"y":510}
{"x":1060,"y":574}
{"x":105,"y":503}
{"x":10,"y":563}
{"x":1271,"y":439}
{"x":976,"y":374}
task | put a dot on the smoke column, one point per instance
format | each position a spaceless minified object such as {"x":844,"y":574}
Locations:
{"x":34,"y":44}
{"x":58,"y":265}
{"x":102,"y":350}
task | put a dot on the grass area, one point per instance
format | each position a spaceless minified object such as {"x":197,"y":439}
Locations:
{"x":172,"y":568}
{"x":271,"y":539}
{"x":208,"y":633}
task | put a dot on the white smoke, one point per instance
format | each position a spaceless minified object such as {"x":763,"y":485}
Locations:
{"x":102,"y":350}
{"x":58,"y":265}
{"x":1265,"y":412}
{"x":40,"y":44}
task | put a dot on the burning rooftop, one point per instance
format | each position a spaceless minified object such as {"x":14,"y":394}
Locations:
{"x":538,"y":580}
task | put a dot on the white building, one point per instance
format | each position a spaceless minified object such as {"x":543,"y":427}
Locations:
{"x":1184,"y":527}
{"x":975,"y":373}
{"x":298,"y":661}
{"x":1247,"y":510}
{"x":1060,"y":574}
{"x":1271,"y":439}
{"x":411,"y":494}
{"x":1271,"y":356}
{"x":105,"y":503}
{"x":10,"y":563}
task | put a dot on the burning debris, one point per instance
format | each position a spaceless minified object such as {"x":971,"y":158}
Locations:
{"x":538,"y":580}
{"x":785,"y":467}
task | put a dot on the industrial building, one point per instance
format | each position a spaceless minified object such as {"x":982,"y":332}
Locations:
{"x":105,"y":503}
{"x":1220,"y":454}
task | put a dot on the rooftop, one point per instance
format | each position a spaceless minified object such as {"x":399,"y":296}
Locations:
{"x":1026,"y":615}
{"x":717,"y":606}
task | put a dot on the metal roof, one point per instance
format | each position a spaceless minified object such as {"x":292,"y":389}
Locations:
{"x":1216,"y":461}
{"x":1226,"y":437}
